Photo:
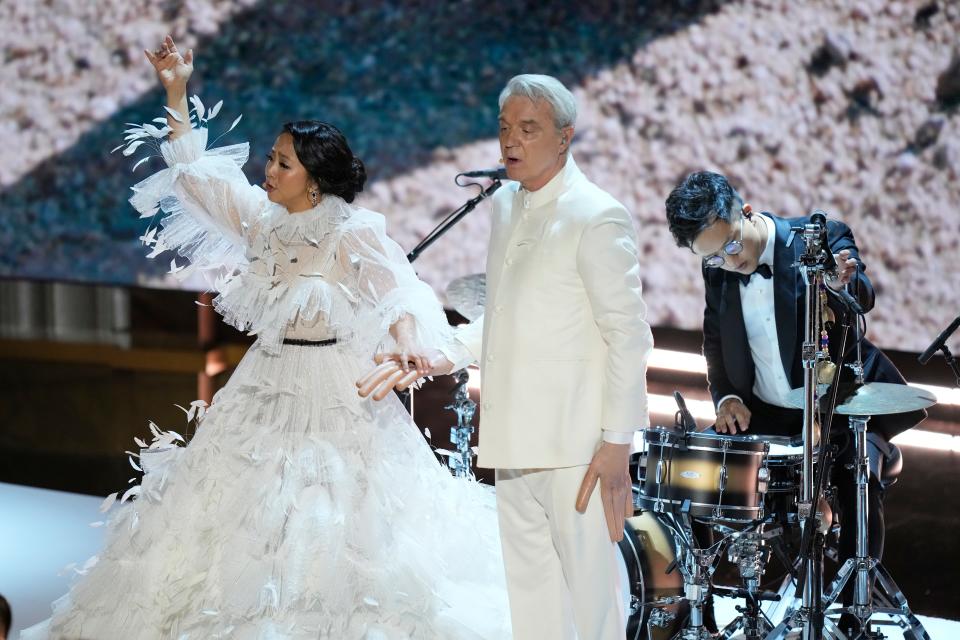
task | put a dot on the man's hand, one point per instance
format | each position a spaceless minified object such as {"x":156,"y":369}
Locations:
{"x":731,"y":413}
{"x":611,"y":468}
{"x":846,"y":268}
{"x":393,"y":372}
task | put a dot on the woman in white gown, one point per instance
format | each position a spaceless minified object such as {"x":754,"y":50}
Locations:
{"x":299,"y":510}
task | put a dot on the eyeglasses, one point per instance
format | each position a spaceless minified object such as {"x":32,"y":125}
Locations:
{"x":732,"y":248}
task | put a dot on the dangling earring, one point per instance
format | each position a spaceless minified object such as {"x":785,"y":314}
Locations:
{"x":314,"y":196}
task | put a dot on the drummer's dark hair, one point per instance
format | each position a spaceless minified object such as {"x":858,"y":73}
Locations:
{"x":323,"y":151}
{"x":697,"y":202}
{"x":6,"y":617}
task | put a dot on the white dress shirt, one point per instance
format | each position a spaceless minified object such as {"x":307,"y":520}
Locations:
{"x":770,"y":382}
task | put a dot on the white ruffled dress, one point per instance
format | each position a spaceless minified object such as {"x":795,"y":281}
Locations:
{"x":298,"y":510}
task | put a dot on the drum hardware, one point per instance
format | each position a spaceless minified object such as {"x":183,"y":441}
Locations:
{"x":872,"y":399}
{"x":813,"y":263}
{"x":749,"y":553}
{"x":461,"y":463}
{"x":697,"y":567}
{"x":660,"y":617}
{"x":867,"y":571}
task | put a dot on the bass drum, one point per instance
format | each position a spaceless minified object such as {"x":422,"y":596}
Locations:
{"x":646,"y":552}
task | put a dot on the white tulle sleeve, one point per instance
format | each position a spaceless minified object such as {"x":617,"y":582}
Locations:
{"x":389,"y":289}
{"x":207,"y":204}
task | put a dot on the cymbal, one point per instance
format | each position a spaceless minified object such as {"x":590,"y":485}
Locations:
{"x":468,"y":295}
{"x":875,"y":399}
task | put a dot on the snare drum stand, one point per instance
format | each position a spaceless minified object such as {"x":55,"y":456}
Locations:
{"x":749,"y":552}
{"x":696,"y":566}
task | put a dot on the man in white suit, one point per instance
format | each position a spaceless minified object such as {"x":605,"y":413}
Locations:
{"x":563,"y":347}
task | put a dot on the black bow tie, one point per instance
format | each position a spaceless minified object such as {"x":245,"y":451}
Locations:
{"x":763,"y":271}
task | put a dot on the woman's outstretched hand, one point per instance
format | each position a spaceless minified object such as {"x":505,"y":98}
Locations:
{"x":393,"y":371}
{"x":172,"y":69}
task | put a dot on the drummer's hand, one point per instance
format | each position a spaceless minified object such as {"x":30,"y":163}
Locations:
{"x":393,"y":371}
{"x":611,"y":468}
{"x":846,"y":268}
{"x":729,"y":414}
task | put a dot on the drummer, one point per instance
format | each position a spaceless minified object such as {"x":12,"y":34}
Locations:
{"x":753,"y":328}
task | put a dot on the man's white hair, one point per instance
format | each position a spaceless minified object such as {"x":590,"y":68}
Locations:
{"x":540,"y":87}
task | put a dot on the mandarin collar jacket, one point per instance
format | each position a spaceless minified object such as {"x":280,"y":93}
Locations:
{"x":563,"y":343}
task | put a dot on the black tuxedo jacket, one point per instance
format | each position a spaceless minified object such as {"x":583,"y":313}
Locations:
{"x":730,"y":367}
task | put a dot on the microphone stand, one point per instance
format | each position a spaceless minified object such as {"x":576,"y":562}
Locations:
{"x":951,"y":362}
{"x":452,"y":219}
{"x":940,"y":344}
{"x":460,"y":462}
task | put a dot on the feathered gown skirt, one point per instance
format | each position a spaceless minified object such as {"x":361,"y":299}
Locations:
{"x":298,"y":510}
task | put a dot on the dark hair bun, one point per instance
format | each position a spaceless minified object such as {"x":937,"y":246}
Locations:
{"x":323,"y":151}
{"x":359,"y":175}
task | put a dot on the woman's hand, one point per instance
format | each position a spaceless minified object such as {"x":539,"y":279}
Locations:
{"x":393,"y":372}
{"x":172,"y":69}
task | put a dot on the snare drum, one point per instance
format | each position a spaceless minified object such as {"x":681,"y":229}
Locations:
{"x":646,"y":552}
{"x":723,"y":476}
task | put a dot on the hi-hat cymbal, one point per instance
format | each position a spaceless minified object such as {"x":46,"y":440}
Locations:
{"x":468,"y":295}
{"x":875,"y":399}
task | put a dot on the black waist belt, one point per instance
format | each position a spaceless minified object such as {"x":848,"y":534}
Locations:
{"x":310,"y":343}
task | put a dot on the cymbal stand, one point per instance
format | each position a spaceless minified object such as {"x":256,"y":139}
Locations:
{"x":868,"y":571}
{"x":870,"y":577}
{"x":461,"y":461}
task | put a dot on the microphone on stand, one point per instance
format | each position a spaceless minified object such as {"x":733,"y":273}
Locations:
{"x":500,"y":173}
{"x":686,"y":420}
{"x":939,"y":342}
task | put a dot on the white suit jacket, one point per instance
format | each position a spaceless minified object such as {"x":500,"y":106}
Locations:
{"x":563,"y":343}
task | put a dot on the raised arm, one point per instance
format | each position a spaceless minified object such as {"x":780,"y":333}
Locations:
{"x":209,"y":209}
{"x":174,"y":70}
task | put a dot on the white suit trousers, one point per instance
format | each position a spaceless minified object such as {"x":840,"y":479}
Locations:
{"x":561,"y":567}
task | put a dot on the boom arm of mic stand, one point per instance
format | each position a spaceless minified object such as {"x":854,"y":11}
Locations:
{"x":451,"y":220}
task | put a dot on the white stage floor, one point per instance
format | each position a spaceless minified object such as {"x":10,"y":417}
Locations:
{"x":41,"y":532}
